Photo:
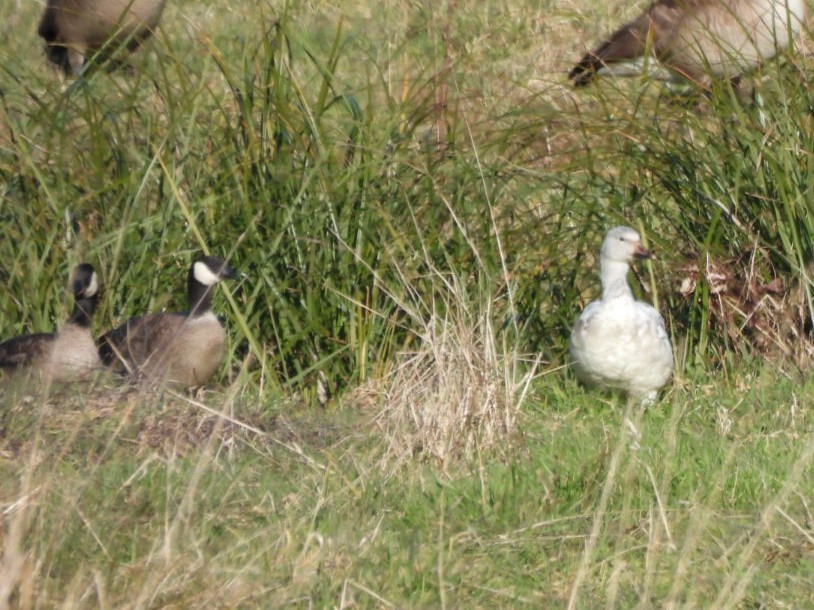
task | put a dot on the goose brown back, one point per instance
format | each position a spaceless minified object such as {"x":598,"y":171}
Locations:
{"x":700,"y":40}
{"x":74,"y":30}
{"x":64,"y":356}
{"x":180,"y":349}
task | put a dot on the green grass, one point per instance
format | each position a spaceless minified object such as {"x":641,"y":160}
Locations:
{"x":143,"y":499}
{"x":417,"y":208}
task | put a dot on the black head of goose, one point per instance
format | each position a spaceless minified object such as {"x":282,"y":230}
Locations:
{"x":181,"y":349}
{"x":698,"y":40}
{"x":74,"y":30}
{"x":64,"y":356}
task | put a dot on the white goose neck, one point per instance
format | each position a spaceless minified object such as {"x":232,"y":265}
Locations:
{"x":614,"y":280}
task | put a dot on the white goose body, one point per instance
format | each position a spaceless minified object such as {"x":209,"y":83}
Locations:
{"x":619,"y":342}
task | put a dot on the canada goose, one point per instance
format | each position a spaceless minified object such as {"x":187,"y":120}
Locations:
{"x":183,"y":349}
{"x":700,"y":40}
{"x":67,"y":355}
{"x":76,"y":29}
{"x":619,"y":342}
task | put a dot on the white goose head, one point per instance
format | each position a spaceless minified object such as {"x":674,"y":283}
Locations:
{"x":621,"y":246}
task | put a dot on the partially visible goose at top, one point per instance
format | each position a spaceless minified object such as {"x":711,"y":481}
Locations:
{"x":700,"y":40}
{"x":619,"y":342}
{"x":74,"y":30}
{"x":64,"y":356}
{"x":181,"y":349}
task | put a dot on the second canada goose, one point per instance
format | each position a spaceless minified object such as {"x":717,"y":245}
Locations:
{"x":182,"y":349}
{"x":619,"y":342}
{"x":76,"y":29}
{"x":64,"y":356}
{"x":700,"y":40}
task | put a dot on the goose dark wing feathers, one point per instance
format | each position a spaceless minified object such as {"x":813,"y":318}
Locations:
{"x":132,"y":344}
{"x":25,"y":350}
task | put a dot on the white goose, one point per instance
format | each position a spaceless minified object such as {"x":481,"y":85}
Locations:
{"x":619,"y":342}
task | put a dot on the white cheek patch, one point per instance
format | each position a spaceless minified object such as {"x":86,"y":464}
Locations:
{"x":93,"y":285}
{"x":204,"y":274}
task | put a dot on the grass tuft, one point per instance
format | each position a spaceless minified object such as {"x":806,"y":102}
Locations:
{"x":459,"y":392}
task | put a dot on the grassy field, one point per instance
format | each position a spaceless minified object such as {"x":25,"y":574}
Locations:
{"x":416,"y":197}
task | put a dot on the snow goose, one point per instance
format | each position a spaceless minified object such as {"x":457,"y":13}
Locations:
{"x":699,"y":40}
{"x":619,"y":342}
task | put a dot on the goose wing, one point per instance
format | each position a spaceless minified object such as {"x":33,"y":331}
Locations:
{"x":24,"y":350}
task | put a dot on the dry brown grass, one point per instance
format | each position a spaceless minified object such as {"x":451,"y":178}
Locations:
{"x":460,"y":391}
{"x":753,"y":305}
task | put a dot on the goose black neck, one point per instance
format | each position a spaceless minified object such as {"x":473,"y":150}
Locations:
{"x":200,"y":296}
{"x":83,"y":311}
